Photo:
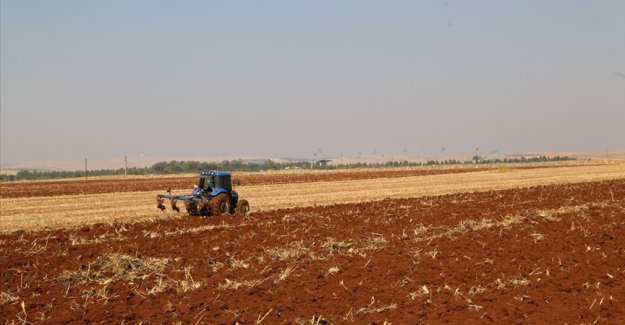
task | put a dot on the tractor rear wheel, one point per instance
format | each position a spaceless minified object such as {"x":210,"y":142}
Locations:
{"x":220,"y":205}
{"x":203,"y":207}
{"x":243,"y":207}
{"x":191,"y":208}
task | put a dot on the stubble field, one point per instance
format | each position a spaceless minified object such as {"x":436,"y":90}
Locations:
{"x":513,"y":246}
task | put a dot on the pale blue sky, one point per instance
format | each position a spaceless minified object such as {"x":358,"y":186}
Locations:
{"x":108,"y":78}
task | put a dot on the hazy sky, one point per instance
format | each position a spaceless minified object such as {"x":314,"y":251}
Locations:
{"x":108,"y":78}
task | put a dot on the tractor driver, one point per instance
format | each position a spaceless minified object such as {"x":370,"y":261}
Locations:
{"x":212,"y":181}
{"x":207,"y":185}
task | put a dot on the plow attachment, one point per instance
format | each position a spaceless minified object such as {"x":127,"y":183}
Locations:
{"x":173,"y":200}
{"x":192,"y":204}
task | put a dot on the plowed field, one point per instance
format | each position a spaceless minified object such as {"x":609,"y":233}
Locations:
{"x":76,"y":210}
{"x":544,"y":254}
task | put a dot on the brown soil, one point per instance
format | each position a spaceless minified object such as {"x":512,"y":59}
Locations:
{"x":548,"y":254}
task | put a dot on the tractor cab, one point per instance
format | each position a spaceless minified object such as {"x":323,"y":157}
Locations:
{"x":213,"y":183}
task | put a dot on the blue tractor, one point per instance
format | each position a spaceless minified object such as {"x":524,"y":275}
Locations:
{"x":211,"y":196}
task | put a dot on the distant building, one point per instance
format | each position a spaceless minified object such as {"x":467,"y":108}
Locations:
{"x":323,"y":162}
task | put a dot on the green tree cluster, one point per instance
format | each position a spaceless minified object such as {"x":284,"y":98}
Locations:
{"x":174,"y":167}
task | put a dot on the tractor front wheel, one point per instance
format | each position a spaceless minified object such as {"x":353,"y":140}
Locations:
{"x":220,"y":205}
{"x":243,"y":207}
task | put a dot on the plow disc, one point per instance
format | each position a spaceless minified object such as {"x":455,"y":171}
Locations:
{"x":190,"y":202}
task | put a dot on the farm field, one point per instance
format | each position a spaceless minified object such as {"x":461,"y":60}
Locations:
{"x":540,"y":254}
{"x":132,"y":183}
{"x":159,"y":183}
{"x":76,"y":210}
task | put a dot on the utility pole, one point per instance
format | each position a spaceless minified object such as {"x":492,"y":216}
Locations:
{"x":315,"y":155}
{"x":85,"y":168}
{"x":125,"y":165}
{"x":477,"y":157}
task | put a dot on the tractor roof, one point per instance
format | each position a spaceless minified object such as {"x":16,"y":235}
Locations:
{"x":214,"y":173}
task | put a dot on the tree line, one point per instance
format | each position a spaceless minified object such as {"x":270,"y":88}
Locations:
{"x":175,"y":167}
